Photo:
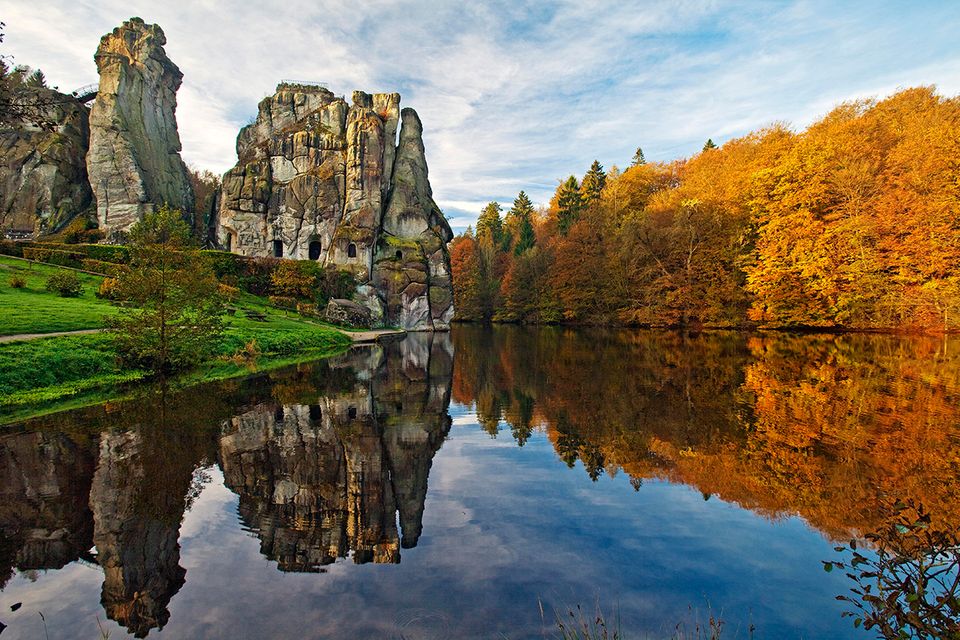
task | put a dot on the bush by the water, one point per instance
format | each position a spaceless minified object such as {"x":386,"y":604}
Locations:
{"x":66,"y":284}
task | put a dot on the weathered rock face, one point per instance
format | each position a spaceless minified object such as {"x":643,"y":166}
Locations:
{"x":320,"y":180}
{"x":134,"y":162}
{"x":323,"y":480}
{"x":43,"y":172}
{"x":347,"y":313}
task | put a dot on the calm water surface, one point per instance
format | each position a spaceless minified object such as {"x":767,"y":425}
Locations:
{"x":459,"y":485}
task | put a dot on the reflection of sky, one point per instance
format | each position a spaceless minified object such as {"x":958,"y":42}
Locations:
{"x":504,"y":528}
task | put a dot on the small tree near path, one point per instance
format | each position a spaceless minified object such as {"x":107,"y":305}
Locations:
{"x":175,"y":319}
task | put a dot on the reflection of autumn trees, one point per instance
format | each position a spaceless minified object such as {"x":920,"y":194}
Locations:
{"x":823,"y":425}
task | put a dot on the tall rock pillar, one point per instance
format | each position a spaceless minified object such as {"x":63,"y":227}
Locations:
{"x":134,"y":162}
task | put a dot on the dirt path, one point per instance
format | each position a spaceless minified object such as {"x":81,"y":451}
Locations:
{"x":33,"y":336}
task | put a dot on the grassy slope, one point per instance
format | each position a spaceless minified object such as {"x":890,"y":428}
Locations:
{"x":35,"y":310}
{"x":38,"y":375}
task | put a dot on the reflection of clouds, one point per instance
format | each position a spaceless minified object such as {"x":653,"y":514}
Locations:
{"x":467,"y":419}
{"x":69,"y":599}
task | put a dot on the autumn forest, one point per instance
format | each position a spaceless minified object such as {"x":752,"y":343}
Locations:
{"x":850,"y":224}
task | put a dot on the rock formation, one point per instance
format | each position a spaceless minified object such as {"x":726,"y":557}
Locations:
{"x":322,"y":480}
{"x":43,"y":172}
{"x":134,"y":162}
{"x":320,"y":180}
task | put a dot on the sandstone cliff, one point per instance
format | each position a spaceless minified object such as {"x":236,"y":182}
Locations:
{"x":134,"y":162}
{"x":43,"y":173}
{"x":318,"y":179}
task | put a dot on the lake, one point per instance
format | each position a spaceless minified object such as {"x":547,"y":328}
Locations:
{"x":480,"y":484}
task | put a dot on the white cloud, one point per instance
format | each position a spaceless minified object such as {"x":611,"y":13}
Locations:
{"x":515,"y":95}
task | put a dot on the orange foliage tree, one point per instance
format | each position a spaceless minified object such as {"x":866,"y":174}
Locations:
{"x":852,"y":223}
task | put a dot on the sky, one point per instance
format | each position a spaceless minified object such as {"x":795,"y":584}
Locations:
{"x":517,"y":94}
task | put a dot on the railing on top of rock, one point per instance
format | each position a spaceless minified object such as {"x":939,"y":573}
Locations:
{"x":304,"y":83}
{"x":86,"y":93}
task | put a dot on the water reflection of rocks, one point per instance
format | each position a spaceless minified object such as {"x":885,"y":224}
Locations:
{"x":322,"y":480}
{"x":323,"y":459}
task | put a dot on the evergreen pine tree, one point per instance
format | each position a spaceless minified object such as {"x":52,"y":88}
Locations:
{"x":521,"y":216}
{"x":638,"y":158}
{"x":569,"y":204}
{"x":36,"y":80}
{"x":593,"y":183}
{"x":709,"y":144}
{"x":490,"y":225}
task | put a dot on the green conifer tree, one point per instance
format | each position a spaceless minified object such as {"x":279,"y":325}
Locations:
{"x":490,"y":225}
{"x":569,"y":204}
{"x":521,"y":216}
{"x":593,"y":183}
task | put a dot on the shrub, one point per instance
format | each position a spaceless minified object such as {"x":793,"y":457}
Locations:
{"x":9,"y":248}
{"x":114,"y":254}
{"x":224,"y":264}
{"x":231,"y":281}
{"x":80,"y":229}
{"x":334,"y":283}
{"x":228,"y":293}
{"x":109,"y":289}
{"x":17,"y":282}
{"x":54,"y":256}
{"x":308,"y":309}
{"x":246,"y":355}
{"x":99,"y":266}
{"x":294,"y":279}
{"x":65,"y":283}
{"x":284,"y":302}
{"x":255,"y":274}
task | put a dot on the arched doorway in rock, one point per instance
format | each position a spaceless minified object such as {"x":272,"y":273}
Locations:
{"x":399,"y":254}
{"x":313,"y":250}
{"x":278,"y":248}
{"x":352,"y":251}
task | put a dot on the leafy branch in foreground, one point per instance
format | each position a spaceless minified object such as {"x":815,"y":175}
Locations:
{"x":910,"y":586}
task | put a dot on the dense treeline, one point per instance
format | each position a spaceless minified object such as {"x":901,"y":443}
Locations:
{"x":854,"y":223}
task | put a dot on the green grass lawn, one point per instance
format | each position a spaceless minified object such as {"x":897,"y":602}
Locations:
{"x":35,"y":310}
{"x":39,"y":375}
